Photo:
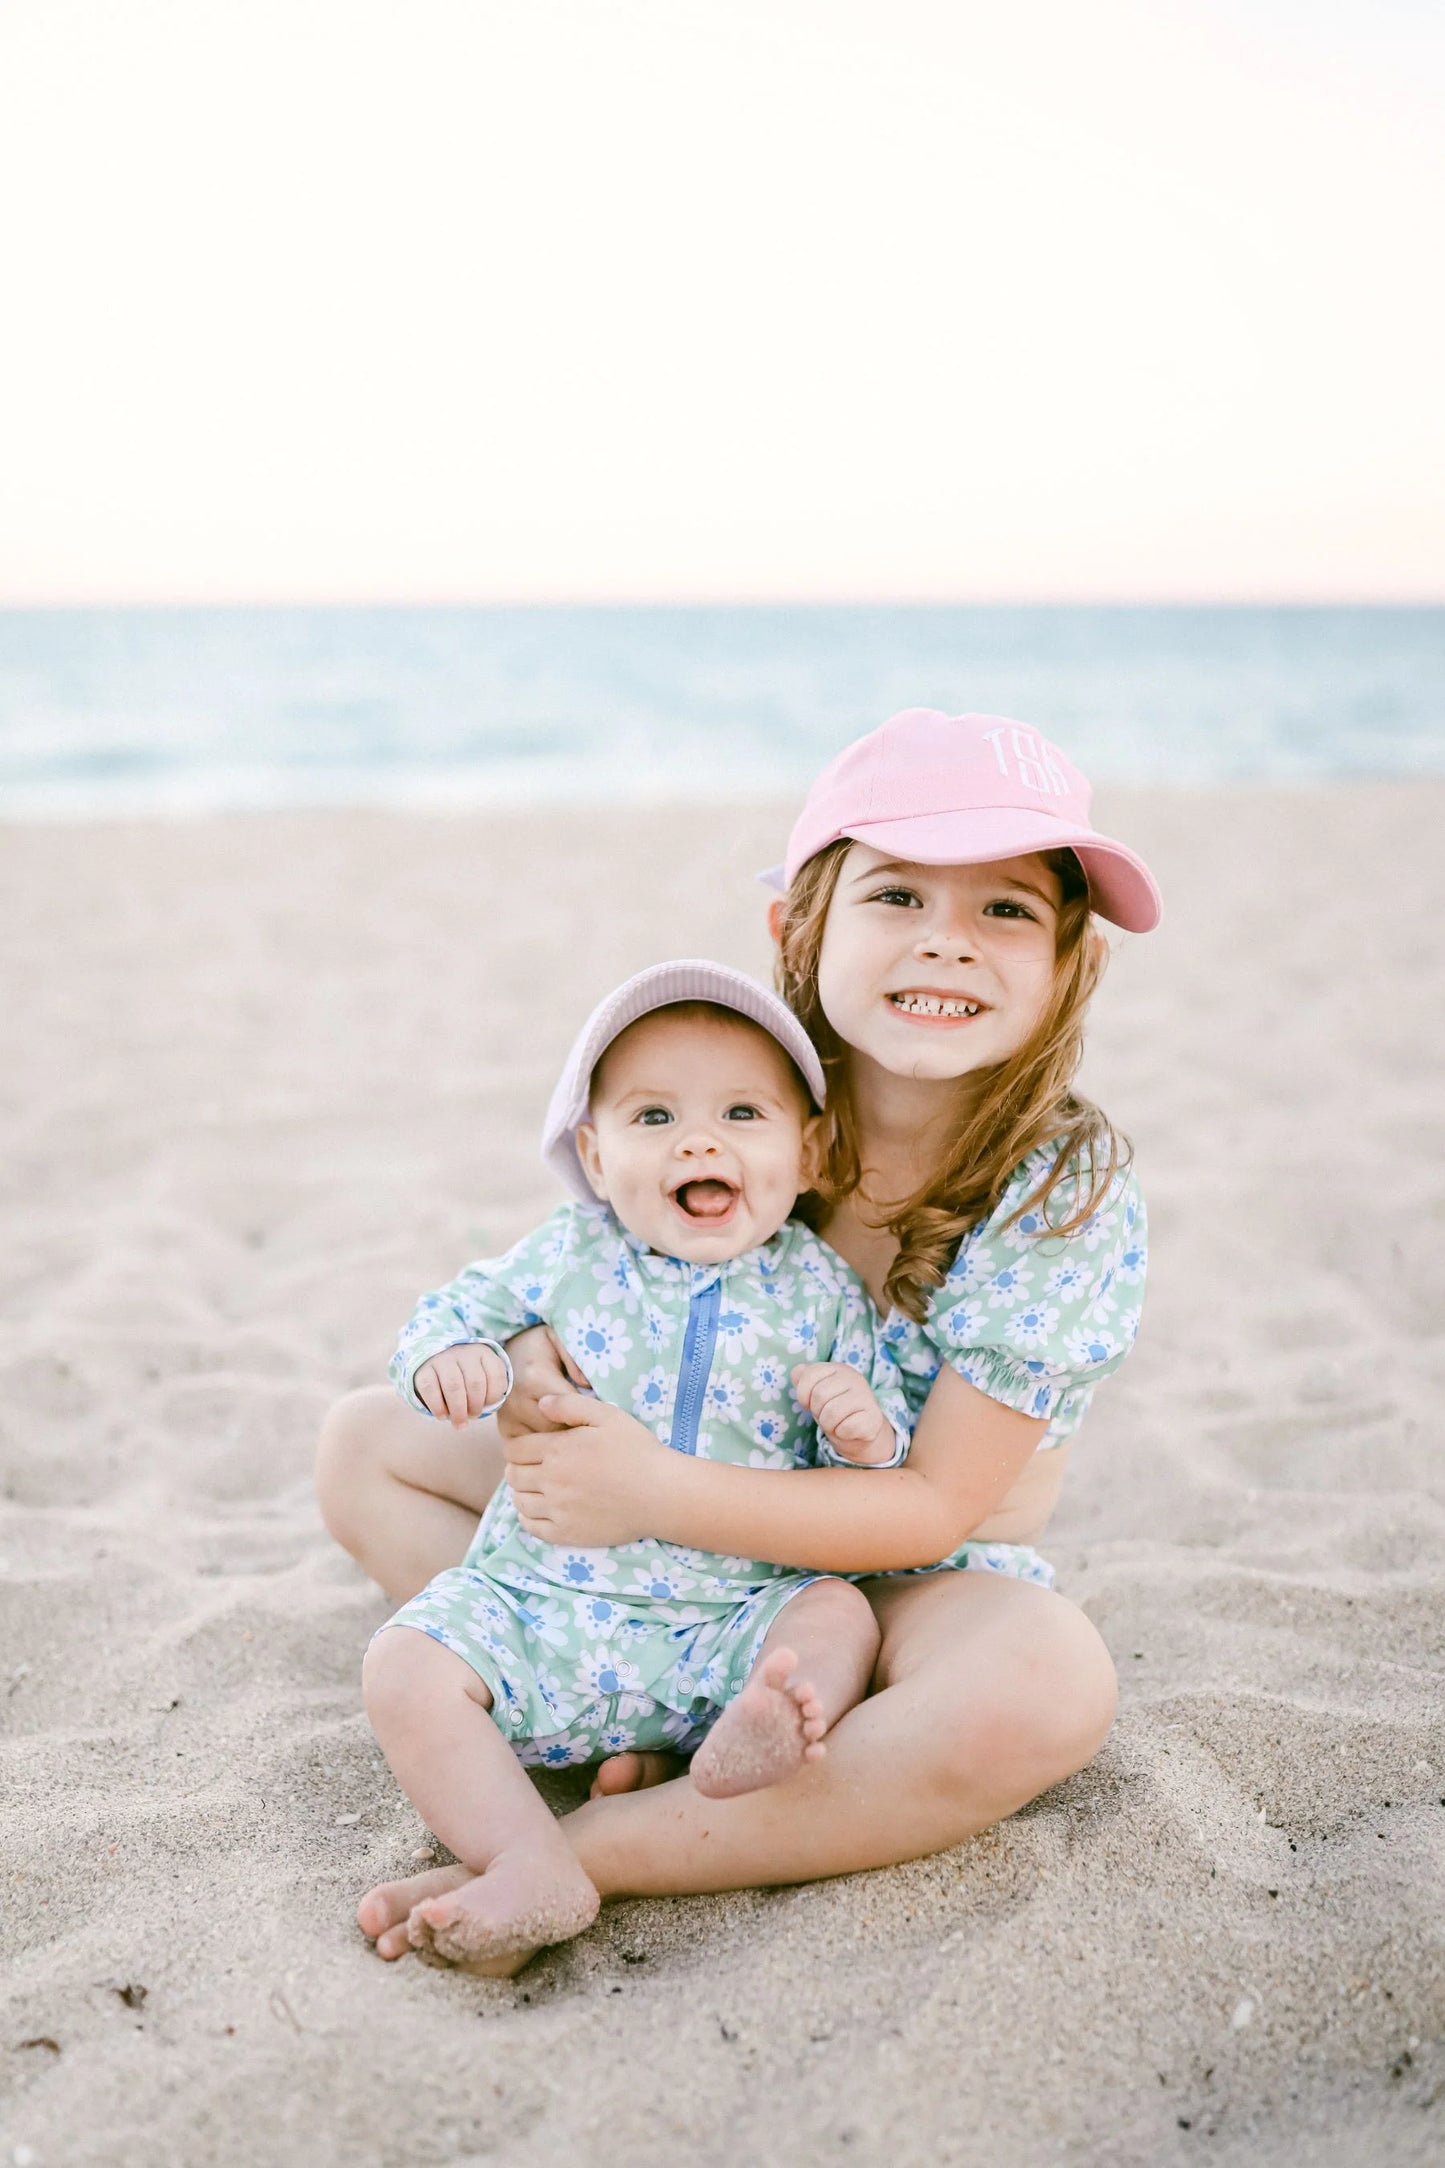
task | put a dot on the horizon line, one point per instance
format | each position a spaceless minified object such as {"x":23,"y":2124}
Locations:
{"x":741,"y":600}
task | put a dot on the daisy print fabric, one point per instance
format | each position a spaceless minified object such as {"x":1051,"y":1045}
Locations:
{"x":585,"y":1651}
{"x":1032,"y":1318}
{"x":702,"y":1354}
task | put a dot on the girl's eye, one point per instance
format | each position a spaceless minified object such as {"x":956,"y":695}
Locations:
{"x":1006,"y":907}
{"x":904,"y":896}
{"x":652,"y":1117}
{"x":742,"y":1113}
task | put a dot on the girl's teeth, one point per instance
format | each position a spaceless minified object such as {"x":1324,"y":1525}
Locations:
{"x":933,"y":1005}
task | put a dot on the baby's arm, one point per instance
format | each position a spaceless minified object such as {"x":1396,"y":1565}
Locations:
{"x":845,"y":1408}
{"x":855,"y":1393}
{"x":450,"y":1362}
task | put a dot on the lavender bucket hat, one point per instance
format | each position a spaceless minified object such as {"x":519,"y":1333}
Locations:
{"x":688,"y":978}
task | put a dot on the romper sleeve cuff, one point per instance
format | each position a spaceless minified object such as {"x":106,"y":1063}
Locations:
{"x":406,"y":1384}
{"x":830,"y":1457}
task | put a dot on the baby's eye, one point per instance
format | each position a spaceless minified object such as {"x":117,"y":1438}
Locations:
{"x":652,"y":1117}
{"x":904,"y":896}
{"x":741,"y":1113}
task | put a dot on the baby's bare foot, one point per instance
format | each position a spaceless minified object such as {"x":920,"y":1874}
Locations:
{"x":384,"y":1911}
{"x":531,"y":1895}
{"x":634,"y":1772}
{"x":774,"y":1726}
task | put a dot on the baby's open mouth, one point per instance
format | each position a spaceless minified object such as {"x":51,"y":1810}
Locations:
{"x":706,"y":1200}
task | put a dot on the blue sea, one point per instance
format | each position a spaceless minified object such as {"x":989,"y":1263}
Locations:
{"x":121,"y":712}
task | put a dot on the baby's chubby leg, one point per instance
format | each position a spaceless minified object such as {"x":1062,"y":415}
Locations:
{"x":815,"y":1663}
{"x":519,"y":1886}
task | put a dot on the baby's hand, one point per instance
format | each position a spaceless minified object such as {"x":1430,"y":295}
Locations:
{"x":842,"y":1404}
{"x":460,"y":1382}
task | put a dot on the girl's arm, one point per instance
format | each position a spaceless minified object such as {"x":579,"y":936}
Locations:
{"x":609,"y":1481}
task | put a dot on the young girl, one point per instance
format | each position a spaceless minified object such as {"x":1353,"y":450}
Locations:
{"x":937,"y":937}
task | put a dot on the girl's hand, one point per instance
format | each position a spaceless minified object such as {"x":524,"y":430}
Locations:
{"x":540,"y":1364}
{"x":593,"y":1480}
{"x":842,"y":1404}
{"x":457,"y":1385}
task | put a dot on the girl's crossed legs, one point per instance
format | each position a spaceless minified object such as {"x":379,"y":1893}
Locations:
{"x":987,"y":1692}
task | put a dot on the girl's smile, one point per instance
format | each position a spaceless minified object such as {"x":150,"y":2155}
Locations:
{"x":936,"y":1006}
{"x":935,"y":972}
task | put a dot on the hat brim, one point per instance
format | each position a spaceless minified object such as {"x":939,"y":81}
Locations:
{"x":689,"y":978}
{"x":1121,"y":887}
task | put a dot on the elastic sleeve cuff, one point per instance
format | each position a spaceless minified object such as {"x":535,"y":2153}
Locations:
{"x":1006,"y":1379}
{"x":425,"y":1355}
{"x":830,"y":1457}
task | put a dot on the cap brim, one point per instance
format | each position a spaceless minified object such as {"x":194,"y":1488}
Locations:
{"x":1121,"y":887}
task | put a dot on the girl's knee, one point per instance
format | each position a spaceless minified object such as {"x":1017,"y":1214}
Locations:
{"x":1040,"y":1714}
{"x":345,"y":1455}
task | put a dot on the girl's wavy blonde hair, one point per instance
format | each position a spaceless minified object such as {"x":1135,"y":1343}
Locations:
{"x":1026,"y":1102}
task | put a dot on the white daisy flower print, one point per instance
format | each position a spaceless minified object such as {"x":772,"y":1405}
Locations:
{"x":1129,"y":1325}
{"x":1025,"y":1232}
{"x":1008,"y":1286}
{"x":557,"y":1696}
{"x":770,"y":1430}
{"x":1091,"y":1345}
{"x":1068,"y":1280}
{"x":770,"y":1378}
{"x":737,"y":1331}
{"x":600,"y":1617}
{"x":963,"y":1323}
{"x":723,"y":1400}
{"x":660,"y":1585}
{"x":603,"y":1671}
{"x":652,"y":1394}
{"x":598,"y":1343}
{"x":1097,"y":1228}
{"x":657,"y":1327}
{"x":545,"y":1620}
{"x":1031,"y":1327}
{"x":619,"y":1280}
{"x":1132,"y":1262}
{"x":588,"y":1569}
{"x":802,"y":1332}
{"x":559,"y":1753}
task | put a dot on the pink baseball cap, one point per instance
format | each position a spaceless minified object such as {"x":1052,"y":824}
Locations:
{"x":961,"y":790}
{"x":690,"y":978}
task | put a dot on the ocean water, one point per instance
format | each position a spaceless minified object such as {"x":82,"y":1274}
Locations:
{"x":129,"y":711}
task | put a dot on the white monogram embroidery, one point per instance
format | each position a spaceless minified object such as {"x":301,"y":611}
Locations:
{"x":1034,"y":762}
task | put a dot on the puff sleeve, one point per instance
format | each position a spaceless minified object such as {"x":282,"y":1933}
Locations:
{"x":1035,"y":1319}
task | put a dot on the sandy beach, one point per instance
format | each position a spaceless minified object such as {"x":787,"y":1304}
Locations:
{"x":266,"y":1078}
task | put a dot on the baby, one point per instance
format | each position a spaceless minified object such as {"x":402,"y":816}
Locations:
{"x":686,"y":1118}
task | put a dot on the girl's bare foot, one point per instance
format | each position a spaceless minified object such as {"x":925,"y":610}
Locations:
{"x":774,"y":1726}
{"x":532,"y":1894}
{"x":384,"y":1911}
{"x":634,"y":1772}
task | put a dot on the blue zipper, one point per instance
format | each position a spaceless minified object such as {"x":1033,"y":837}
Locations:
{"x":698,"y":1344}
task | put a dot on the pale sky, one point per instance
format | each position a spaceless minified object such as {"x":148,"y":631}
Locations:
{"x":608,"y":299}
